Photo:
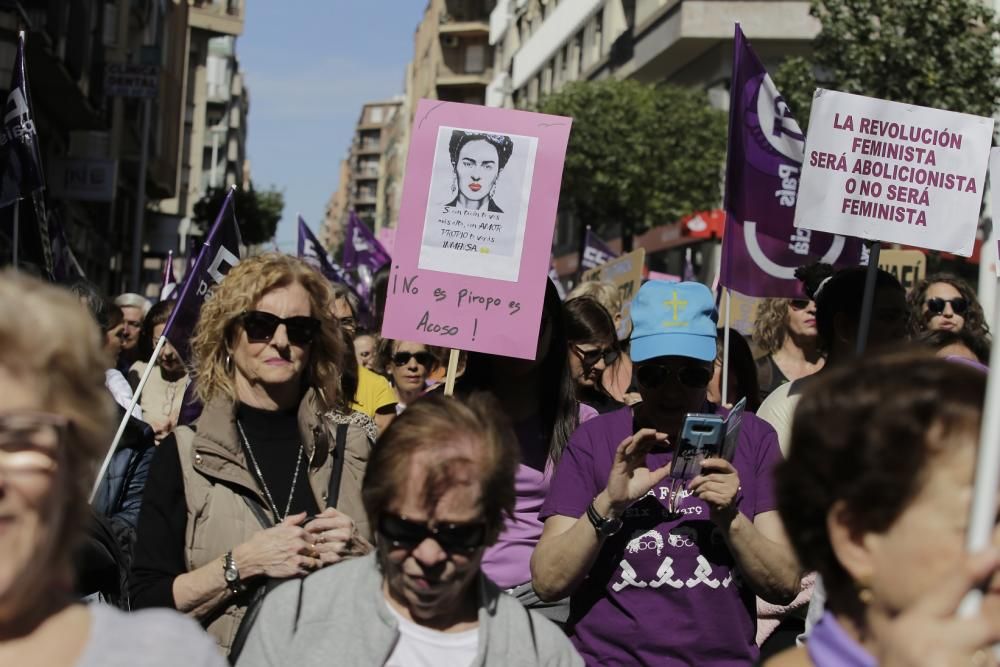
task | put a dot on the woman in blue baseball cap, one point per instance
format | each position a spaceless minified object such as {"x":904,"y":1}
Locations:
{"x":662,"y":572}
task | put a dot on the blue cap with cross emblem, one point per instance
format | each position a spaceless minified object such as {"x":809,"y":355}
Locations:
{"x":673,"y":319}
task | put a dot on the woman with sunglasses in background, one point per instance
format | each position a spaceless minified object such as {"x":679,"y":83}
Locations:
{"x":56,"y":420}
{"x":226,"y":504}
{"x":945,"y":302}
{"x":784,"y":332}
{"x":650,"y":560}
{"x":407,"y":365}
{"x":593,"y":348}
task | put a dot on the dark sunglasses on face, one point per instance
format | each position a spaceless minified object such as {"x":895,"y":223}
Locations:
{"x":589,"y":358}
{"x":425,"y":359}
{"x":260,"y":327}
{"x":799,"y":304}
{"x":937,"y":304}
{"x":402,"y":533}
{"x":654,"y":376}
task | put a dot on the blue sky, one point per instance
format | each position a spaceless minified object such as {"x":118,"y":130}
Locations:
{"x":310,"y":65}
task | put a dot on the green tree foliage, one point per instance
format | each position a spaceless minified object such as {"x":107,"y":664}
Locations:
{"x":936,"y":54}
{"x":639,"y":155}
{"x":258,"y":211}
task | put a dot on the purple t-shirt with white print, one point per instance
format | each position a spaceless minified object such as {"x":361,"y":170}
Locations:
{"x":664,"y":590}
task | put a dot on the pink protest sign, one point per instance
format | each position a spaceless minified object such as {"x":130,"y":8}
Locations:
{"x":387,"y":237}
{"x":475,"y":229}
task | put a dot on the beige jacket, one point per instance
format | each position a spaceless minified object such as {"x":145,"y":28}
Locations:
{"x":214,"y":469}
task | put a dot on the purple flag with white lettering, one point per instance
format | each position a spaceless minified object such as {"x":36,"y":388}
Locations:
{"x":364,"y":254}
{"x":761,"y":247}
{"x":595,"y":251}
{"x":219,"y":253}
{"x":20,"y":158}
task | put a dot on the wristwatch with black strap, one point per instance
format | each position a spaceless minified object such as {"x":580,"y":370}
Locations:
{"x":605,"y":526}
{"x":232,"y":575}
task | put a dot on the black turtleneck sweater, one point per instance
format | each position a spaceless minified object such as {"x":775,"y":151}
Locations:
{"x":159,"y":550}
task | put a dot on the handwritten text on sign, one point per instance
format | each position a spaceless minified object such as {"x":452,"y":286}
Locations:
{"x":463,"y":301}
{"x":893,"y":172}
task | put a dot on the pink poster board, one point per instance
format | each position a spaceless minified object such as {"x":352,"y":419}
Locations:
{"x":387,"y":237}
{"x":475,"y":229}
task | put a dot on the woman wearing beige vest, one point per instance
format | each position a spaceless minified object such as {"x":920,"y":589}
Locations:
{"x":230,"y":503}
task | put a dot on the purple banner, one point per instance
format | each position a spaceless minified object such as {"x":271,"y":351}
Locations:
{"x":595,"y":252}
{"x":219,"y":253}
{"x":311,"y":250}
{"x":761,"y":247}
{"x":363,"y":254}
{"x":20,"y":159}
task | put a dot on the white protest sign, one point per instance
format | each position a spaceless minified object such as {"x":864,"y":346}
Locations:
{"x":995,"y":196}
{"x":893,"y":172}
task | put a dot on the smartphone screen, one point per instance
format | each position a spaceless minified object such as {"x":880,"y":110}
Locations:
{"x":701,"y":437}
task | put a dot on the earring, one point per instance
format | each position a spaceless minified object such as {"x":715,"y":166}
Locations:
{"x":229,"y":364}
{"x":454,"y":184}
{"x":865,"y":594}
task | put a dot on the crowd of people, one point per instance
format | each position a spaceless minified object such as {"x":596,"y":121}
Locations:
{"x":292,"y":489}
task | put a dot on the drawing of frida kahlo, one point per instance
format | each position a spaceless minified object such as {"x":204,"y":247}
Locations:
{"x":477,"y":159}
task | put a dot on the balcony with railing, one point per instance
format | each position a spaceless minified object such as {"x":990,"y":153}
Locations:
{"x":220,"y":16}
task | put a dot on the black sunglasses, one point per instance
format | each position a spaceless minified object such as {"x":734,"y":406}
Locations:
{"x":654,"y":376}
{"x":798,"y":304}
{"x":589,"y":358}
{"x":406,"y":534}
{"x":260,"y":327}
{"x":958,"y":305}
{"x":425,"y":359}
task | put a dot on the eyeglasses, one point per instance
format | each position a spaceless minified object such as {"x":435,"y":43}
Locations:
{"x":260,"y":327}
{"x":654,"y":376}
{"x":29,"y":441}
{"x":799,"y":304}
{"x":589,"y":358}
{"x":958,"y":305}
{"x":405,"y":534}
{"x":425,"y":359}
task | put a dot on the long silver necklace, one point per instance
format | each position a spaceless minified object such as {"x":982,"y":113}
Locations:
{"x":260,"y":476}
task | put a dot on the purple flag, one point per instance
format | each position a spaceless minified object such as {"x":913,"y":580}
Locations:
{"x":364,"y":254}
{"x":595,"y":251}
{"x":761,"y":247}
{"x":20,"y":159}
{"x":311,"y":250}
{"x":219,"y":253}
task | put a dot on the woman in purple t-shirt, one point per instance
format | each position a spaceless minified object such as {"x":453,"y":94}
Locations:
{"x":664,"y":573}
{"x":538,"y":398}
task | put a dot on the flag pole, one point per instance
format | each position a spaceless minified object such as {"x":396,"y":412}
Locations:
{"x":449,"y":380}
{"x":869,"y":298}
{"x":128,"y":413}
{"x":982,"y":516}
{"x":17,"y":230}
{"x":725,"y":349}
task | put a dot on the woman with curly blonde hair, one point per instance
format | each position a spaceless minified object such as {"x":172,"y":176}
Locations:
{"x":226,"y":506}
{"x":785,"y":332}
